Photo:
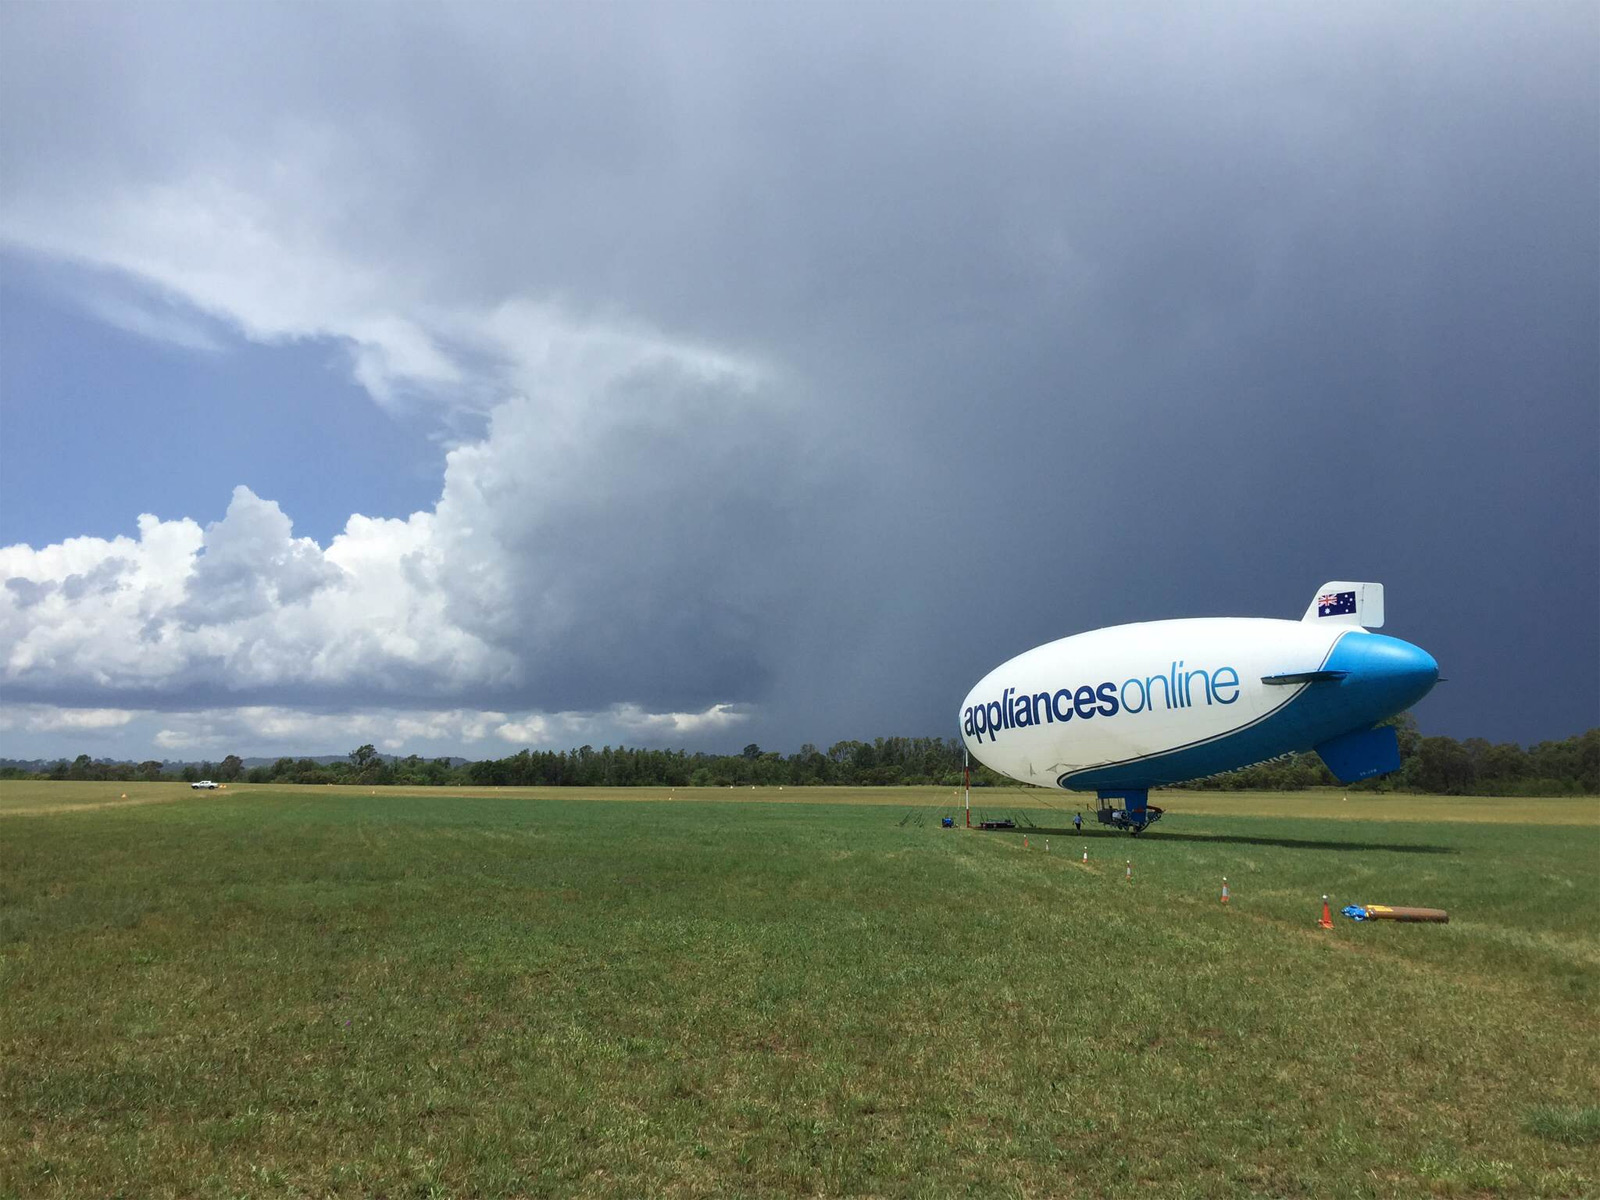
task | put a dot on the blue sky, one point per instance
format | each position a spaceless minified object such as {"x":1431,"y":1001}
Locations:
{"x":460,"y":378}
{"x":133,"y":424}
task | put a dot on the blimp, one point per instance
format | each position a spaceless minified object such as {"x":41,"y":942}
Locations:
{"x":1119,"y":711}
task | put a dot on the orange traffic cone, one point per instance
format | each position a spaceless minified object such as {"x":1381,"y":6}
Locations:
{"x":1224,"y":889}
{"x":1024,"y":841}
{"x":1327,"y":915}
{"x":1086,"y":854}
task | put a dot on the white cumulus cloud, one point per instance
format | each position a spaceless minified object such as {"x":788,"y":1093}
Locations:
{"x":611,"y":558}
{"x":47,"y":718}
{"x":274,"y":729}
{"x":239,"y":605}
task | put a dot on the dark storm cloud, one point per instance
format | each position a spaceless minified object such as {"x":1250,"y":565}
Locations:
{"x":1081,"y":315}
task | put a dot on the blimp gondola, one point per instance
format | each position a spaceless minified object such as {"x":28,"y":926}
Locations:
{"x":1119,"y":711}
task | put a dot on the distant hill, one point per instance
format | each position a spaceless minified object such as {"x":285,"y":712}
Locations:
{"x":178,"y":764}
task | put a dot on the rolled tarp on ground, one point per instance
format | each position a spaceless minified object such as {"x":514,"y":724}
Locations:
{"x":1386,"y":912}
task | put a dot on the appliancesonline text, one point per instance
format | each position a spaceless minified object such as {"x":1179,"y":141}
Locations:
{"x":1178,"y":688}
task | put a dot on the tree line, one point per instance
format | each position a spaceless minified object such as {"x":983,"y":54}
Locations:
{"x":1439,"y":765}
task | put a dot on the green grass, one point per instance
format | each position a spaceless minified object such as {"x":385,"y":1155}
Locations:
{"x":1575,"y":1126}
{"x":318,"y":991}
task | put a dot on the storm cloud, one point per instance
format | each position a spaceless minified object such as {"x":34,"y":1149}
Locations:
{"x":798,"y":364}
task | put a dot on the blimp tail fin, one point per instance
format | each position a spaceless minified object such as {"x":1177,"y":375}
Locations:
{"x":1344,"y":603}
{"x":1363,"y":754}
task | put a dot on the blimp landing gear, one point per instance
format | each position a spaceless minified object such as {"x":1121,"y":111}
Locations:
{"x":1136,"y":814}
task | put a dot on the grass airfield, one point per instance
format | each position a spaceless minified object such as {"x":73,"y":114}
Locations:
{"x":280,"y":991}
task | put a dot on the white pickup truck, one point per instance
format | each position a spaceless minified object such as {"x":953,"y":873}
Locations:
{"x":204,"y":783}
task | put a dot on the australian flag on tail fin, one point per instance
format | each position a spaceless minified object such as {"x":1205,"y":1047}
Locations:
{"x":1336,"y":604}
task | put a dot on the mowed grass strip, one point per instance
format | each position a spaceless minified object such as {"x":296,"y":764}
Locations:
{"x":281,"y":992}
{"x":34,"y":799}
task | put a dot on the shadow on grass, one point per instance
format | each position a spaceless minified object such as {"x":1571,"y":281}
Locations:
{"x":1160,"y":835}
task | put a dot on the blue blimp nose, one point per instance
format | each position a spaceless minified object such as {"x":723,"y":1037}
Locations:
{"x":1383,"y":675}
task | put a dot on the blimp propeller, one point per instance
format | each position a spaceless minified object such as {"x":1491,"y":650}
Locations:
{"x":1119,"y":711}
